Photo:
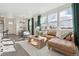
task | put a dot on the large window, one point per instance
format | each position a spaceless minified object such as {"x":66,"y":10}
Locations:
{"x":49,"y":21}
{"x":52,"y":20}
{"x":43,"y":23}
{"x":65,"y":18}
{"x":61,"y":19}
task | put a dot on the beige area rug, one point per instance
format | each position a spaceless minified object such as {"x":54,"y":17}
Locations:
{"x":33,"y":51}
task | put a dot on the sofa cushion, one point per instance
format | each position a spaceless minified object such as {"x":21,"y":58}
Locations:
{"x":52,"y":33}
{"x":49,"y":36}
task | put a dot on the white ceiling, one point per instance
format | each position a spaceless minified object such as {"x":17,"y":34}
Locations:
{"x":26,"y":9}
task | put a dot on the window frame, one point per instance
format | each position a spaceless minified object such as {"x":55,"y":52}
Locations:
{"x":65,"y":27}
{"x":58,"y":10}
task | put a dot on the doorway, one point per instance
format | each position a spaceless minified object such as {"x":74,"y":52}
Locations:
{"x":11,"y":26}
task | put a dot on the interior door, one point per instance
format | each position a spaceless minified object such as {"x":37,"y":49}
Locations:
{"x":11,"y":26}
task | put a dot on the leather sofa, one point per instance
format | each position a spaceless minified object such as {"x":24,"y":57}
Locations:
{"x":65,"y":46}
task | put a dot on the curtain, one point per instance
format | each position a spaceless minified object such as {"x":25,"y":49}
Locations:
{"x":32,"y":26}
{"x":29,"y":25}
{"x":39,"y":21}
{"x":75,"y":8}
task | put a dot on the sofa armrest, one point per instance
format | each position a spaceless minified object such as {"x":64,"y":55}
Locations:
{"x":70,"y":37}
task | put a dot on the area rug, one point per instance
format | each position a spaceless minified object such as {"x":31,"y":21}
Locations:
{"x":19,"y":51}
{"x":8,"y":45}
{"x":6,"y":39}
{"x":33,"y":51}
{"x":9,"y":48}
{"x":7,"y":42}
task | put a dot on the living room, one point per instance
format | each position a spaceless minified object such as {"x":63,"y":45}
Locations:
{"x":39,"y":29}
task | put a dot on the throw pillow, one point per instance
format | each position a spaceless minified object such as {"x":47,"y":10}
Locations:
{"x":62,"y":34}
{"x":52,"y":33}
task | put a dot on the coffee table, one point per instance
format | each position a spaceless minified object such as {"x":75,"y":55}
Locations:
{"x":37,"y":41}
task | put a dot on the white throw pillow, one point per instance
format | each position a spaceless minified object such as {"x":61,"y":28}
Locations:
{"x":62,"y":34}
